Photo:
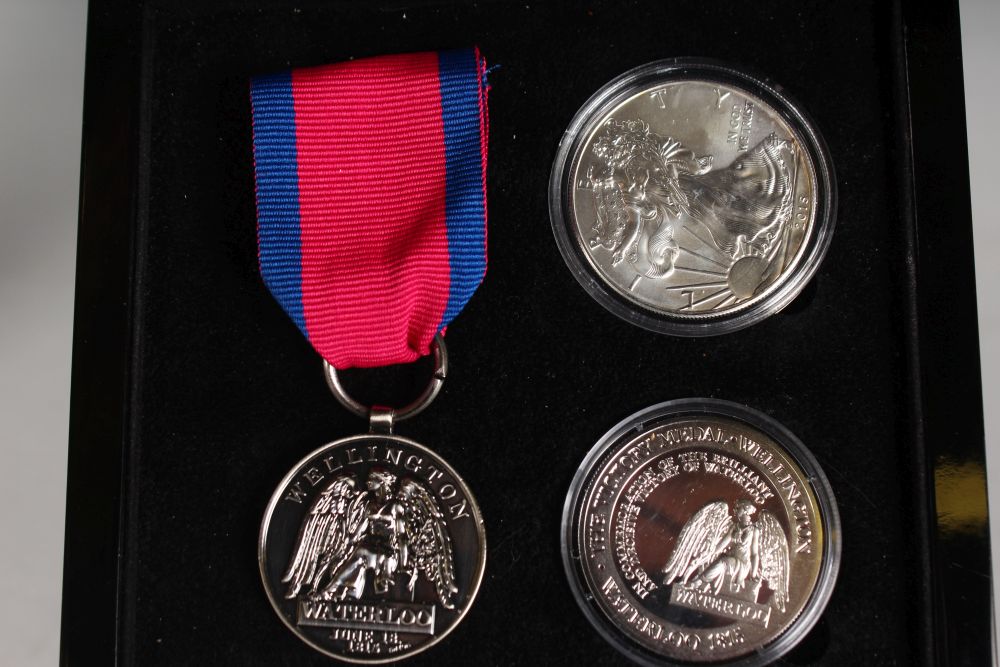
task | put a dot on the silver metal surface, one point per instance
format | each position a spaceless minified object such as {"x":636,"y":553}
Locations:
{"x":693,"y":198}
{"x":372,"y":549}
{"x":682,"y":196}
{"x":418,"y":405}
{"x":691,"y":535}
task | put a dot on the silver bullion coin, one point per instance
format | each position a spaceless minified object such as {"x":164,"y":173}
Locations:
{"x":693,"y":198}
{"x":696,"y":537}
{"x":372,"y":549}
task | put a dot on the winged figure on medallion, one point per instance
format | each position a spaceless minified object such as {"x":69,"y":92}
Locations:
{"x":714,"y":549}
{"x":378,"y":533}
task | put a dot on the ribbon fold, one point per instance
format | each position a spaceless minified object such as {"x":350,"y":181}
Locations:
{"x":371,"y":199}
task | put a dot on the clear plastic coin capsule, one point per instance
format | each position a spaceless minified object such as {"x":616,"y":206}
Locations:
{"x":700,"y":531}
{"x":691,"y":198}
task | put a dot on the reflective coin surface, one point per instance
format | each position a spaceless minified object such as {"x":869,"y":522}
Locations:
{"x":372,"y":549}
{"x":691,"y":198}
{"x":690,"y":535}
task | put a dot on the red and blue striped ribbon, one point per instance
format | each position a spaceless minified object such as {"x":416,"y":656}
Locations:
{"x":371,"y":199}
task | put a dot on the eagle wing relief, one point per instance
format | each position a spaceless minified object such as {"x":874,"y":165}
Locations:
{"x":700,"y":542}
{"x":428,"y":542}
{"x":337,"y":521}
{"x":773,"y":559}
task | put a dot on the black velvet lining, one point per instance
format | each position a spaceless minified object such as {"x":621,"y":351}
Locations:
{"x":229,"y":396}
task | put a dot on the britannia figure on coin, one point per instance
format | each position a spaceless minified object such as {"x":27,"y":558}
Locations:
{"x":353,"y":536}
{"x":647,"y":186}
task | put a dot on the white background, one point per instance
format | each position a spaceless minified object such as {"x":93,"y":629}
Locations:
{"x":41,"y":89}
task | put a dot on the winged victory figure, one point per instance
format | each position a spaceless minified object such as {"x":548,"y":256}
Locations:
{"x":713,"y":547}
{"x":351,"y":535}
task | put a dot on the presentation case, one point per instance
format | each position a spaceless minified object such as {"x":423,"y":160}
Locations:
{"x":193,"y":393}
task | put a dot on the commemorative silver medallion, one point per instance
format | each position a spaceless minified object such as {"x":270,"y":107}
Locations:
{"x":691,"y":198}
{"x":372,"y":548}
{"x":699,"y":531}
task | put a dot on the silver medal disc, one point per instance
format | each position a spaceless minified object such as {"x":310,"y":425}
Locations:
{"x":699,"y":531}
{"x":372,"y":549}
{"x":691,"y":198}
